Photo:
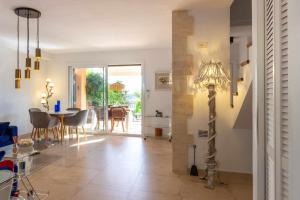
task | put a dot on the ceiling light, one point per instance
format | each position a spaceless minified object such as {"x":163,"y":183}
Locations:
{"x":27,"y":13}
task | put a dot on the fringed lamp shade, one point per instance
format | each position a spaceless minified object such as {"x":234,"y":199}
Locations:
{"x":117,"y":86}
{"x":212,"y":73}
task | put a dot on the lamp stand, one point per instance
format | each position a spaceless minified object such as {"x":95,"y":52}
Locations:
{"x":48,"y":96}
{"x":210,"y":173}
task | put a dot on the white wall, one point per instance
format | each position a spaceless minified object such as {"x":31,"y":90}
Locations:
{"x":234,"y":146}
{"x":14,"y":104}
{"x":154,"y":60}
{"x":294,"y":97}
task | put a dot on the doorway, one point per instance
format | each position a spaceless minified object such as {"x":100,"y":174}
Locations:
{"x":113,"y":96}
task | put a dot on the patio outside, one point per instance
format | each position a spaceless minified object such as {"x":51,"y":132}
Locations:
{"x":124,"y":99}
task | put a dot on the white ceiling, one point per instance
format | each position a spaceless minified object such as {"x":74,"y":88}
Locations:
{"x":89,"y":25}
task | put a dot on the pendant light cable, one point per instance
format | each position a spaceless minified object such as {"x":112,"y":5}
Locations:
{"x":28,"y":35}
{"x":18,"y":35}
{"x":38,"y":33}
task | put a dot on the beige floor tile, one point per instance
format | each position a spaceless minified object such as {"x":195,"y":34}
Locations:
{"x":74,"y":175}
{"x":116,"y":179}
{"x":96,"y":192}
{"x":158,"y":184}
{"x":241,"y":192}
{"x":57,"y":191}
{"x":125,"y":168}
{"x":138,"y":195}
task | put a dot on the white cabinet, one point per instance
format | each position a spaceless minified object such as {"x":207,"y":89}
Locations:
{"x":152,"y":122}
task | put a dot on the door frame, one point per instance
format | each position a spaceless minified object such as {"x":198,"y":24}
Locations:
{"x":71,"y":69}
{"x":259,"y":141}
{"x":105,"y":67}
{"x":142,"y":94}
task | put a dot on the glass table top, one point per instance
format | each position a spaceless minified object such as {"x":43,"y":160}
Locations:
{"x":17,"y":153}
{"x":5,"y":175}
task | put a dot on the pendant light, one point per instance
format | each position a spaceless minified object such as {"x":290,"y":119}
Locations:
{"x":18,"y":70}
{"x":38,"y":52}
{"x":28,"y":13}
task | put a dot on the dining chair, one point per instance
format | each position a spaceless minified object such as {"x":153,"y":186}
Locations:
{"x":43,"y":122}
{"x":79,"y":119}
{"x":117,"y":114}
{"x":100,"y":115}
{"x":30,"y":111}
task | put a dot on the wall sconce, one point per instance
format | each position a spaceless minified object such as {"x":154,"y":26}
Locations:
{"x":202,"y":45}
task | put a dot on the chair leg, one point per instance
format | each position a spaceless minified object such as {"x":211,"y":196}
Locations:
{"x":56,"y":132}
{"x":46,"y":134}
{"x":84,"y":131}
{"x":123,"y":125}
{"x":70,"y":131}
{"x":39,"y":133}
{"x":77,"y":133}
{"x":53,"y":132}
{"x":112,"y":124}
{"x":32,"y":132}
{"x":64,"y":130}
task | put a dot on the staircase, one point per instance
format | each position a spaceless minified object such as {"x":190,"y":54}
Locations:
{"x":241,"y":86}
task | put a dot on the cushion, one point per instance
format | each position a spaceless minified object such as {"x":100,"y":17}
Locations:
{"x":2,"y":154}
{"x":3,"y":127}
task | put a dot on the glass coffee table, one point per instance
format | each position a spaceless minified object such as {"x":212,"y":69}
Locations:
{"x":6,"y":181}
{"x":23,"y":161}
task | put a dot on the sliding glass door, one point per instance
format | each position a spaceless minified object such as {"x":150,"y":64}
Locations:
{"x":113,"y":96}
{"x":88,"y":92}
{"x":125,"y":99}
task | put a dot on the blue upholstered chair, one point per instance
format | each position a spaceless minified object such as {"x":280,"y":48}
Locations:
{"x":8,"y":134}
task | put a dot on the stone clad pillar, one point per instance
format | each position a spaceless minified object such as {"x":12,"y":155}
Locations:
{"x":182,"y":102}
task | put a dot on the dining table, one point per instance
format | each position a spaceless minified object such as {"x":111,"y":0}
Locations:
{"x":61,"y":115}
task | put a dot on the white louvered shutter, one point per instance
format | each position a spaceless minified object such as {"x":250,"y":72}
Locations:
{"x":276,"y":99}
{"x":270,"y":98}
{"x":283,"y":93}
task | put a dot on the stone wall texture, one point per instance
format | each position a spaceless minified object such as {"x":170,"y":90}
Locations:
{"x":182,"y":102}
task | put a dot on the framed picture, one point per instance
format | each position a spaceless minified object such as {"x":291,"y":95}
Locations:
{"x":162,"y":80}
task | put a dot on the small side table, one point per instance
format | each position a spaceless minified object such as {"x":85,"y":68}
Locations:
{"x":6,"y":181}
{"x":22,"y":160}
{"x":152,"y":122}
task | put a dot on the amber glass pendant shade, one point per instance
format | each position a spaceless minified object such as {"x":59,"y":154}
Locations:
{"x":27,"y":73}
{"x":17,"y":84}
{"x":38,"y":53}
{"x":28,"y":62}
{"x":18,"y":78}
{"x":37,"y":65}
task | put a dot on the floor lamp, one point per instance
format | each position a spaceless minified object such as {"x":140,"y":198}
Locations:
{"x":211,"y":76}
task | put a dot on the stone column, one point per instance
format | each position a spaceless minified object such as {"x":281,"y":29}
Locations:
{"x":182,"y":102}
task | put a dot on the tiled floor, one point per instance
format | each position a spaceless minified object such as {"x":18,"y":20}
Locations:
{"x":117,"y":168}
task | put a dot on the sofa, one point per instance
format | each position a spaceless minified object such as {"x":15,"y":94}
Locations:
{"x":8,"y":134}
